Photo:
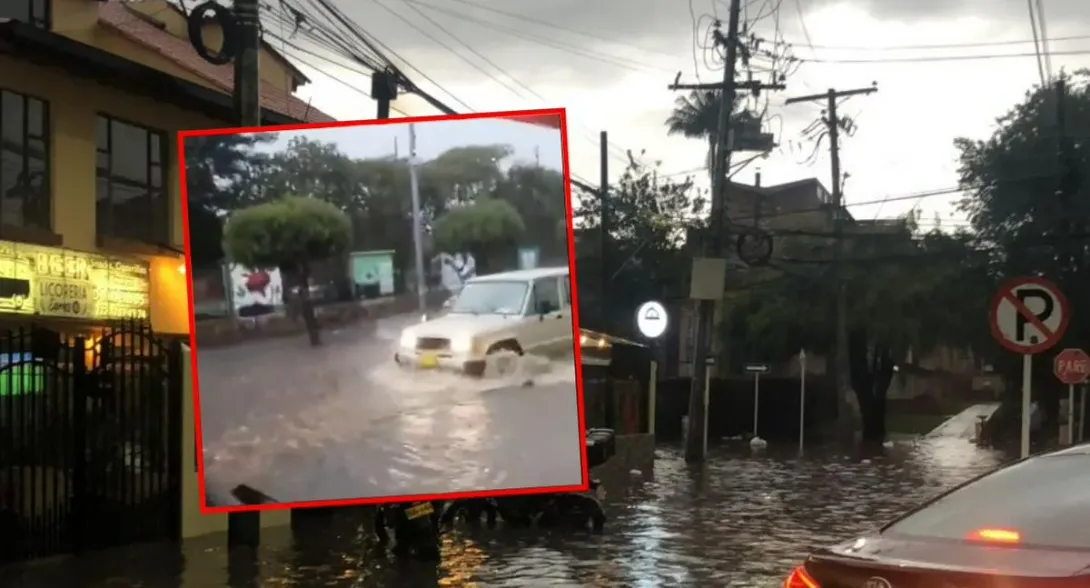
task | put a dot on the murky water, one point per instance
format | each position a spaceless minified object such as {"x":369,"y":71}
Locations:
{"x":740,"y":520}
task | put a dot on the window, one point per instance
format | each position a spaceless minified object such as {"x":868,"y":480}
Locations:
{"x":1044,"y":499}
{"x":130,"y":197}
{"x":24,"y":161}
{"x":33,"y":12}
{"x":546,"y":297}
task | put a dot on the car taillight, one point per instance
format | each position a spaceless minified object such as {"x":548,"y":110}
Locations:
{"x":800,"y":579}
{"x":1001,"y":536}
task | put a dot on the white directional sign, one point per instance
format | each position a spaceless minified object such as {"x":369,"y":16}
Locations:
{"x":1029,"y":315}
{"x":651,"y":319}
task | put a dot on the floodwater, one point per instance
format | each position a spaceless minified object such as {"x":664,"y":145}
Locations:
{"x":344,"y":421}
{"x":740,"y":520}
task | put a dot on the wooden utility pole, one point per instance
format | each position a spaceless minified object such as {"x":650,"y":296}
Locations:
{"x":847,"y":406}
{"x":714,"y":241}
{"x":244,"y":529}
{"x":604,"y":227}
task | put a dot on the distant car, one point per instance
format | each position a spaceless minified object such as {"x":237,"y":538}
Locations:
{"x":1025,"y":525}
{"x":526,"y":311}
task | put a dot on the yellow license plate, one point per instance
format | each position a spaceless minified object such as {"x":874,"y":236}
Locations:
{"x":421,"y":510}
{"x":428,"y":361}
{"x":600,"y":492}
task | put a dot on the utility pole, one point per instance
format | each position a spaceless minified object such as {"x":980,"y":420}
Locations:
{"x":418,"y":243}
{"x":713,"y":243}
{"x":384,"y":91}
{"x":847,"y":406}
{"x":247,"y":75}
{"x":244,"y":528}
{"x":605,"y":226}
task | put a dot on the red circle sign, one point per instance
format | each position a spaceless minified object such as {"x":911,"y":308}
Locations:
{"x":1072,"y":366}
{"x":1028,"y":315}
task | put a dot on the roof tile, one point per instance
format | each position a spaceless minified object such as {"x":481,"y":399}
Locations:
{"x":127,"y":22}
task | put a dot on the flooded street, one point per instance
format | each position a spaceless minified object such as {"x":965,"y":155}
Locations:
{"x":343,"y":421}
{"x":740,"y":521}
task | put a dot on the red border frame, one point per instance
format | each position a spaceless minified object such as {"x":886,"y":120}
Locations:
{"x":1010,"y":285}
{"x":552,"y":118}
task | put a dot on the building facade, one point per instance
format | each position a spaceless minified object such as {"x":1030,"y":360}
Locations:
{"x":92,"y":96}
{"x":98,"y":447}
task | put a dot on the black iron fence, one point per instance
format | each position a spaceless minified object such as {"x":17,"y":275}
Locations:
{"x":90,"y":440}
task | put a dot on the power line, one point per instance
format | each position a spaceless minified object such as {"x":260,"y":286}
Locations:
{"x":327,"y":74}
{"x":883,"y":48}
{"x":616,"y":61}
{"x":940,"y":58}
{"x":557,"y":27}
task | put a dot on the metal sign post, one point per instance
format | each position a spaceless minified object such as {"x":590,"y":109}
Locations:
{"x":709,"y":362}
{"x":756,"y":369}
{"x":1082,"y":414}
{"x":802,"y":398}
{"x":1071,"y":366}
{"x":1028,"y":316}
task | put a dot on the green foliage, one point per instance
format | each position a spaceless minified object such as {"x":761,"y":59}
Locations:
{"x":375,"y":193}
{"x":220,"y":173}
{"x":649,"y":221}
{"x":289,"y":232}
{"x":1028,"y":200}
{"x":483,"y":225}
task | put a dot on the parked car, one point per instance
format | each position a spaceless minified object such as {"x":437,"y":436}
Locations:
{"x":1024,"y":525}
{"x":520,"y":312}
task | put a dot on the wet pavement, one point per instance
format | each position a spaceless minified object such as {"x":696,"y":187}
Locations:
{"x":343,"y":421}
{"x":740,"y":520}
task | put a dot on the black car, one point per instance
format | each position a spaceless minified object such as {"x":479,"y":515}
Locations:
{"x":1025,"y":525}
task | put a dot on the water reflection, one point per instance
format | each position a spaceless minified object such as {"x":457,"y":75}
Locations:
{"x":740,"y":520}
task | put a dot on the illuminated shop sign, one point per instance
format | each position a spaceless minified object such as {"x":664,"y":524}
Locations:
{"x":48,"y":281}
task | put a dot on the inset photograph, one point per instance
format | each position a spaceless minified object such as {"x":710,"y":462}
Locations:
{"x":383,"y":309}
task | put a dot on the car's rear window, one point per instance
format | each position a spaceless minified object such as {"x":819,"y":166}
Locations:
{"x":1046,"y":500}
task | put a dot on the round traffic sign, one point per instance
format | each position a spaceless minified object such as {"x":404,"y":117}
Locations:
{"x":1028,"y":315}
{"x":651,"y":319}
{"x":1071,"y":366}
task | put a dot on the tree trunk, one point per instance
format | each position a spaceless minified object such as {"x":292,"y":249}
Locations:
{"x":871,"y":371}
{"x":306,"y":306}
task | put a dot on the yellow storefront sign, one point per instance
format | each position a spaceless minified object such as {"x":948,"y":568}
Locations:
{"x":53,"y":282}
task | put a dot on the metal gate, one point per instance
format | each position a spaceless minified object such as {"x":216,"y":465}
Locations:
{"x":90,"y":440}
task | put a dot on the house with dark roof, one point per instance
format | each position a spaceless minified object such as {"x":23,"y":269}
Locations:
{"x":93,"y":94}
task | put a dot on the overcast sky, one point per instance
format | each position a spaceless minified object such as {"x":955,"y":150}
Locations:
{"x":530,"y":142}
{"x":609,"y":63}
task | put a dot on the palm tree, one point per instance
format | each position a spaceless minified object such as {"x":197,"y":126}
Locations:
{"x":696,"y":116}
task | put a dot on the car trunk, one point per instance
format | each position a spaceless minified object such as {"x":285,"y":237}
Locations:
{"x":939,"y":563}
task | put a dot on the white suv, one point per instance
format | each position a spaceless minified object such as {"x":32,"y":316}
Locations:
{"x":524,"y":312}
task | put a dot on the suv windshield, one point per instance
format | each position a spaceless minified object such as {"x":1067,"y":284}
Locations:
{"x":1044,"y":499}
{"x":488,"y":297}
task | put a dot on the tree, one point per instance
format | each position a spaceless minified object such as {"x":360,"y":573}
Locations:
{"x":289,"y":233}
{"x":486,"y":229}
{"x":1027,"y":200}
{"x":696,"y":116}
{"x":538,"y":195}
{"x":907,"y":291}
{"x":220,"y":176}
{"x":650,"y":220}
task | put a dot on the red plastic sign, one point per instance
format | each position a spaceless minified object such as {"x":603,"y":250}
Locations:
{"x":1072,"y":366}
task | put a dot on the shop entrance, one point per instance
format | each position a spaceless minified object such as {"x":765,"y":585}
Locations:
{"x":90,"y":440}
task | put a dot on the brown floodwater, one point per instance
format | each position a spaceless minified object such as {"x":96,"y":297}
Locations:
{"x":739,"y":520}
